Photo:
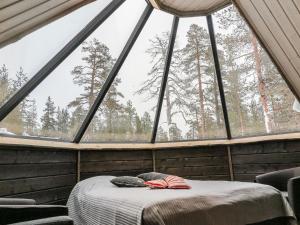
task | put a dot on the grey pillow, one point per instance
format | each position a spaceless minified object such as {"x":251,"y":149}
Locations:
{"x":127,"y":181}
{"x":152,"y":176}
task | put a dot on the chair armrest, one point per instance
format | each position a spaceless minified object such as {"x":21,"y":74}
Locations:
{"x":59,"y":220}
{"x":16,"y":213}
{"x":17,"y":201}
{"x":294,"y":194}
{"x":277,"y":179}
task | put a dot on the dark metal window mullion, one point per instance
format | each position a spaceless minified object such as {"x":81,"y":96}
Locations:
{"x":165,"y":77}
{"x":218,"y":73}
{"x":58,"y":58}
{"x":113,"y":73}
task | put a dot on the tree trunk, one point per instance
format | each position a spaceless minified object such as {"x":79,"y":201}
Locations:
{"x":261,"y":85}
{"x":217,"y":109}
{"x":238,"y":103}
{"x":92,"y":85}
{"x":200,"y":93}
{"x":91,"y":97}
{"x":168,"y":110}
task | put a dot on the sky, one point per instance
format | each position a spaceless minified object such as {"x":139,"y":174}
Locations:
{"x":34,"y":50}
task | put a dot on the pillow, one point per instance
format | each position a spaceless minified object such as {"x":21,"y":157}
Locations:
{"x":127,"y":181}
{"x":152,"y":176}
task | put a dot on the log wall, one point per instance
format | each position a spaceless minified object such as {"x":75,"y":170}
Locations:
{"x":116,"y":163}
{"x":258,"y":158}
{"x":202,"y":163}
{"x":46,"y":176}
{"x":49,"y":175}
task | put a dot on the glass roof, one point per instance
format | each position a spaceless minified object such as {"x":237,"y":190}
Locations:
{"x":257,"y":100}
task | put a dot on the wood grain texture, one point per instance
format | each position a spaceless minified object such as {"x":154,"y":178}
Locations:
{"x":117,"y":163}
{"x":19,"y":18}
{"x":49,"y":175}
{"x":46,"y":176}
{"x":253,"y":159}
{"x":195,"y":163}
{"x":189,"y":7}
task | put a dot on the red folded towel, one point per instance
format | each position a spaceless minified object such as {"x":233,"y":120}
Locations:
{"x":172,"y":182}
{"x":156,"y":184}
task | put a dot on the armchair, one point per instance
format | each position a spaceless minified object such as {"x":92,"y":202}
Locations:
{"x":287,"y":181}
{"x":25,"y":212}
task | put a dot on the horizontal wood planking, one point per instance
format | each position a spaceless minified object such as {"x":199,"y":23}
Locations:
{"x":46,"y":176}
{"x":12,"y":187}
{"x":47,"y":196}
{"x":116,"y":163}
{"x":206,"y":163}
{"x":253,"y":159}
{"x":20,"y":171}
{"x":28,"y":156}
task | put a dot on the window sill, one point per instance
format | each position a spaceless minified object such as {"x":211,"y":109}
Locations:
{"x":38,"y":144}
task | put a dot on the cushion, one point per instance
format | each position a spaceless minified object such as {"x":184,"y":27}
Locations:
{"x":127,"y":181}
{"x":152,"y":176}
{"x":175,"y":182}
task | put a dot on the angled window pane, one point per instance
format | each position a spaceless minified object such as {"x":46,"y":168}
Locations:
{"x":127,"y":111}
{"x":57,"y":107}
{"x":259,"y":101}
{"x":191,"y":108}
{"x":33,"y":51}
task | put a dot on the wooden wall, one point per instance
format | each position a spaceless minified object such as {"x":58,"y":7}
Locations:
{"x":116,"y":163}
{"x":44,"y":175}
{"x":209,"y":163}
{"x":49,"y":175}
{"x":254,"y":159}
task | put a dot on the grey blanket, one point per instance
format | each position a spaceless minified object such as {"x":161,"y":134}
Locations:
{"x":96,"y":201}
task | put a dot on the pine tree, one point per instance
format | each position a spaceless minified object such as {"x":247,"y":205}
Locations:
{"x":21,"y":79}
{"x":91,"y":75}
{"x":138,"y":125}
{"x":77,"y":116}
{"x":14,"y":122}
{"x":146,"y":123}
{"x":63,"y":122}
{"x":30,"y":118}
{"x":4,"y":84}
{"x":48,"y":118}
{"x":162,"y":135}
{"x":200,"y":80}
{"x":130,"y":114}
{"x":111,"y":107}
{"x":174,"y":86}
{"x":96,"y":65}
{"x":175,"y":133}
{"x":247,"y":57}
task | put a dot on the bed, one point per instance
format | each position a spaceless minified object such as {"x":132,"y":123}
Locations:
{"x":95,"y":201}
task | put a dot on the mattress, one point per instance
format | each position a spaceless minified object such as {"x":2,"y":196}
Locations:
{"x":95,"y":201}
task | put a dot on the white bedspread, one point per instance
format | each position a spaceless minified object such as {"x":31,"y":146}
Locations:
{"x":95,"y":201}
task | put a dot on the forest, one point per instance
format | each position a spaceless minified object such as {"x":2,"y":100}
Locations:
{"x":258,"y":99}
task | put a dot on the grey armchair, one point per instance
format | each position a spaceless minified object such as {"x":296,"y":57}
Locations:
{"x":25,"y":212}
{"x":287,"y":181}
